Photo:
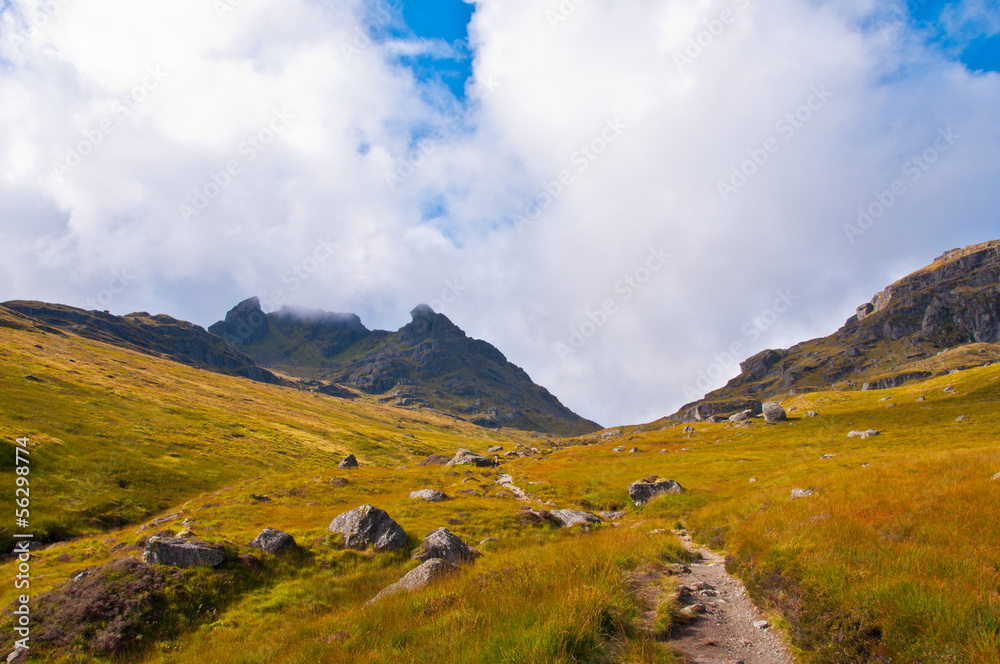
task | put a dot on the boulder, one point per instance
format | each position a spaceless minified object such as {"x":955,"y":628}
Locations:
{"x":688,"y":429}
{"x":643,"y":491}
{"x":467,"y":458}
{"x":773,"y":412}
{"x":350,"y":461}
{"x":495,"y":449}
{"x":369,"y":526}
{"x":417,"y":579}
{"x":741,"y":416}
{"x":868,"y":433}
{"x":445,"y":545}
{"x":570,"y":518}
{"x":430,"y":495}
{"x":435,"y":460}
{"x":177,"y":552}
{"x":273,"y":541}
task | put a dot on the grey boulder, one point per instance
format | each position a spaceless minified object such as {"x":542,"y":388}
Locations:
{"x":369,"y":526}
{"x":430,"y":495}
{"x":570,"y":518}
{"x":177,"y":552}
{"x":643,"y":491}
{"x":350,"y":461}
{"x":445,"y":545}
{"x":418,"y":579}
{"x":273,"y":541}
{"x":467,"y":458}
{"x":773,"y":412}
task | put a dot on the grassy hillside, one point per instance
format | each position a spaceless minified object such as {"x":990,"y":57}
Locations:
{"x":893,"y":558}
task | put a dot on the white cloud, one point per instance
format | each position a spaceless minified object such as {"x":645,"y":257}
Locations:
{"x":686,"y":116}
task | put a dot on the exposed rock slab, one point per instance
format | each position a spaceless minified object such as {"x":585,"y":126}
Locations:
{"x":177,"y":552}
{"x":570,"y":518}
{"x":643,"y":491}
{"x":430,"y":495}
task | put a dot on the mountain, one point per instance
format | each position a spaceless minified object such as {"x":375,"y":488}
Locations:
{"x":159,"y":335}
{"x":941,"y":318}
{"x":428,"y":363}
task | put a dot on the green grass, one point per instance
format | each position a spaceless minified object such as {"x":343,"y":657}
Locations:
{"x":893,"y":557}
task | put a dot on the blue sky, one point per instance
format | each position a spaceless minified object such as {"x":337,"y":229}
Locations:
{"x":974,"y":42}
{"x":445,"y":20}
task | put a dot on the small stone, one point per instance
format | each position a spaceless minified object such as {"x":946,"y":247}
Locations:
{"x":761,"y":624}
{"x":257,"y":498}
{"x":868,"y":433}
{"x":350,"y":461}
{"x":691,"y":611}
{"x":18,"y":656}
{"x":634,"y":450}
{"x":752,"y":480}
{"x":828,"y":456}
{"x":495,"y":449}
{"x":801,"y":493}
{"x":996,"y":478}
{"x":812,"y":413}
{"x":688,"y":429}
{"x":961,"y":418}
{"x":921,"y":398}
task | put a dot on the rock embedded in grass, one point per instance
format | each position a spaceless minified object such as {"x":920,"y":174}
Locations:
{"x":435,"y":460}
{"x":643,"y":491}
{"x":741,"y":416}
{"x":467,"y":458}
{"x":570,"y":518}
{"x":444,"y":544}
{"x":176,"y":552}
{"x":773,"y":412}
{"x":417,"y":579}
{"x":273,"y":541}
{"x":868,"y":433}
{"x":350,"y":461}
{"x":430,"y":495}
{"x":369,"y":526}
{"x":801,"y":493}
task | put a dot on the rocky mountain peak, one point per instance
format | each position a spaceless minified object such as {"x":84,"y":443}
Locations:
{"x":245,"y":323}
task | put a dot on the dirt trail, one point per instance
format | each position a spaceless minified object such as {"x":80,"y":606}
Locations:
{"x":724,"y":633}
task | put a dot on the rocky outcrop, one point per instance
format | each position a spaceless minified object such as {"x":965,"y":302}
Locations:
{"x":369,"y":526}
{"x":177,"y":552}
{"x":246,"y":323}
{"x":643,"y":491}
{"x":273,"y":541}
{"x":349,"y":461}
{"x":444,"y":544}
{"x":886,"y":342}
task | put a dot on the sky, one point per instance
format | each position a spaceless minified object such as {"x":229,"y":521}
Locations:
{"x":627,"y":199}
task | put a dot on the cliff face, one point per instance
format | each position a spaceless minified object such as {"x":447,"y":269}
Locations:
{"x":428,"y":363}
{"x":942,"y":308}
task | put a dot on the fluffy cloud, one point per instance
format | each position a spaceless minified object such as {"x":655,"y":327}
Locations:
{"x":634,"y":196}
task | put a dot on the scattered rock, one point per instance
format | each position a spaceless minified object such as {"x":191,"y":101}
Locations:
{"x":273,"y":541}
{"x":634,"y":450}
{"x":430,"y":495}
{"x":868,"y":433}
{"x":812,"y":413}
{"x":801,"y":493}
{"x":642,"y":492}
{"x":761,"y":624}
{"x":177,"y":552}
{"x":611,"y":516}
{"x":495,"y":449}
{"x":613,"y":433}
{"x":470,"y":492}
{"x":885,"y":398}
{"x":444,"y":544}
{"x":350,"y":461}
{"x":368,"y":526}
{"x":488,"y":540}
{"x":677,"y":569}
{"x":618,"y":449}
{"x":828,"y":456}
{"x":187,"y":533}
{"x":251,"y":562}
{"x":570,"y":518}
{"x":258,"y":498}
{"x":688,"y":429}
{"x":921,"y":398}
{"x":996,"y":478}
{"x":961,"y":418}
{"x":418,"y":579}
{"x":752,"y":480}
{"x":467,"y":458}
{"x":18,"y":656}
{"x":691,"y":611}
{"x":741,"y":416}
{"x":773,"y":412}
